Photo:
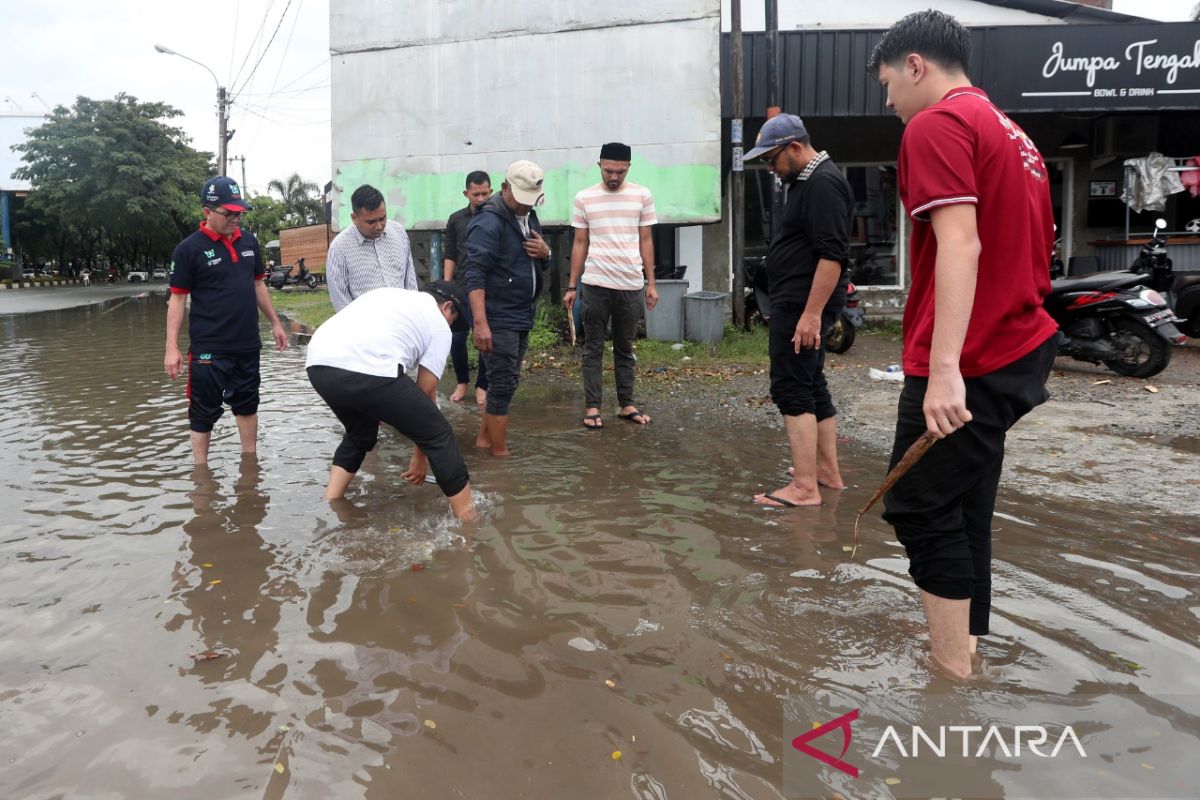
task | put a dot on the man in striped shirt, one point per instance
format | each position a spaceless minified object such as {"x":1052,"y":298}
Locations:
{"x":613,"y":254}
{"x":368,"y":254}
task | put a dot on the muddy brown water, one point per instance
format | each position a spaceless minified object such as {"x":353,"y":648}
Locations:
{"x":168,"y":632}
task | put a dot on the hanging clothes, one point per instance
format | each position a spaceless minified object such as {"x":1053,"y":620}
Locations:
{"x":1153,"y":181}
{"x":1191,"y":178}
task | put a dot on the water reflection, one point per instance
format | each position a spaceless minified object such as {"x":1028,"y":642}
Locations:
{"x":175,"y":632}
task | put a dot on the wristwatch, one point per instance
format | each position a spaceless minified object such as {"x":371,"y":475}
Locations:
{"x":570,"y":288}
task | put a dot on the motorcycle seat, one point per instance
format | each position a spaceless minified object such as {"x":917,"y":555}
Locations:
{"x":1185,"y":280}
{"x":1097,"y":281}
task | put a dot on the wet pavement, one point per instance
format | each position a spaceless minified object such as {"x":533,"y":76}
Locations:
{"x":166,"y":631}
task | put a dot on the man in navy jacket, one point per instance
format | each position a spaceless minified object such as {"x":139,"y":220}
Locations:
{"x":505,"y":258}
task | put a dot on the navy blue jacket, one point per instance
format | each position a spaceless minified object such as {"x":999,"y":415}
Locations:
{"x":496,"y":262}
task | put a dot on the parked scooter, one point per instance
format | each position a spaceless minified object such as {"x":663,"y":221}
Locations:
{"x":1110,"y":318}
{"x":282,"y":276}
{"x":1180,"y":289}
{"x":838,"y":339}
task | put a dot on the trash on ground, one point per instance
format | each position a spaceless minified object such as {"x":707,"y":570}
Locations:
{"x":886,"y":374}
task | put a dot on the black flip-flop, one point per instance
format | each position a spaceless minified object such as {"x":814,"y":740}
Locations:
{"x":633,"y":417}
{"x":599,"y":426}
{"x":782,"y":503}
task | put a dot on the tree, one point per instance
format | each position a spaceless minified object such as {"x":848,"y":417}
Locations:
{"x":300,"y":199}
{"x":116,"y":176}
{"x":266,"y":219}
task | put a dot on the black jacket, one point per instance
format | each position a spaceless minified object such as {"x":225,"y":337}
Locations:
{"x":496,"y":262}
{"x":815,"y":225}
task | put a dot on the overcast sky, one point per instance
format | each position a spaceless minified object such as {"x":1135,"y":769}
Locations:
{"x":66,"y":48}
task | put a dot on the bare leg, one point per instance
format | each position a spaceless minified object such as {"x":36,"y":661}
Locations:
{"x":498,"y":428}
{"x":484,"y":440}
{"x":460,"y":391}
{"x":247,"y":425}
{"x":948,"y":633}
{"x":828,"y":473}
{"x":463,"y":505}
{"x":802,"y":438}
{"x":339,"y":480}
{"x":200,"y":446}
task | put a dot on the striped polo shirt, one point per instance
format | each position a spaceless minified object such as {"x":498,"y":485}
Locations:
{"x":613,"y":221}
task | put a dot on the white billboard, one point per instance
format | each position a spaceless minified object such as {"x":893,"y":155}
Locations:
{"x":425,"y":91}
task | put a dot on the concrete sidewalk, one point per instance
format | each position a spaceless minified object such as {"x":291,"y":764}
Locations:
{"x":70,"y":295}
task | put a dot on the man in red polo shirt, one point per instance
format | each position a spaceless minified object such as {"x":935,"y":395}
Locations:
{"x":221,"y":268}
{"x":978,"y":346}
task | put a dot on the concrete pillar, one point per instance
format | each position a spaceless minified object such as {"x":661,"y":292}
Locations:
{"x":689,"y":250}
{"x":716,"y":243}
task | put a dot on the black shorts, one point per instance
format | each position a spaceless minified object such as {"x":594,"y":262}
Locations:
{"x":942,"y":507}
{"x":798,"y":379}
{"x":216,"y":379}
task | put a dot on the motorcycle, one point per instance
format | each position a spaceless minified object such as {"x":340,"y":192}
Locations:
{"x":838,"y":339}
{"x":1181,"y":289}
{"x":1111,"y":318}
{"x":282,"y":276}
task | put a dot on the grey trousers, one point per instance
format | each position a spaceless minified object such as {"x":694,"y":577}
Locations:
{"x":623,"y":308}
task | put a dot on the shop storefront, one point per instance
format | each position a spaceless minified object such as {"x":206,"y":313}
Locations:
{"x":1091,"y":96}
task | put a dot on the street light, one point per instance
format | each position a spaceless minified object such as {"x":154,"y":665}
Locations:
{"x":222,"y":104}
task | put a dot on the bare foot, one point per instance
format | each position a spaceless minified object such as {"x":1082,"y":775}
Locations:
{"x":483,"y":442}
{"x":501,"y":453}
{"x":459,"y":393}
{"x":828,"y":481}
{"x":780,"y":498}
{"x":480,"y":396}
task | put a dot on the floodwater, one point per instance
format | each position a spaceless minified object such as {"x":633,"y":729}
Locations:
{"x":166,"y":632}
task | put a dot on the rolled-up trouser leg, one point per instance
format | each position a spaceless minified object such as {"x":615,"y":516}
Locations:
{"x":504,"y":369}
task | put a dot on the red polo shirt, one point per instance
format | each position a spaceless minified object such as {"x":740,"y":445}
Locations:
{"x":965,"y":150}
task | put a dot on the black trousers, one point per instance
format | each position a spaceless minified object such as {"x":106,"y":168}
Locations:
{"x":942,"y":507}
{"x":361,"y":402}
{"x":623,"y":308}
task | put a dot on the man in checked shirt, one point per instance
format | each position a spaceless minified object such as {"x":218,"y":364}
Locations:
{"x":368,"y":254}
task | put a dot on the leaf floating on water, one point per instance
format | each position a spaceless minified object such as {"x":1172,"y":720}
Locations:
{"x":460,"y":605}
{"x":207,"y":565}
{"x":283,"y":728}
{"x":847,"y":548}
{"x":214,"y":581}
{"x":1147,"y":766}
{"x":579,"y":643}
{"x":430,"y":724}
{"x":616,"y":756}
{"x":279,"y":768}
{"x":418,"y":567}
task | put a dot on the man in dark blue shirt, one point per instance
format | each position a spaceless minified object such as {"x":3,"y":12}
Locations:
{"x":221,"y":268}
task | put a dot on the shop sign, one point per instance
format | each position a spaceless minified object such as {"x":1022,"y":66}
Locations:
{"x":1100,"y":67}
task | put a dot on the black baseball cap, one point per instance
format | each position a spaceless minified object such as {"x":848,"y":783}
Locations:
{"x":448,"y":290}
{"x":223,"y":192}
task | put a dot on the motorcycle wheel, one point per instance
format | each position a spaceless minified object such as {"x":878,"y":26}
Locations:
{"x":1142,"y":351}
{"x":840,"y":337}
{"x":311,"y":281}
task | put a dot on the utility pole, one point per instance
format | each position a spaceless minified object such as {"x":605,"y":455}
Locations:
{"x":223,"y":133}
{"x":243,"y":160}
{"x":773,"y":104}
{"x":737,"y":182}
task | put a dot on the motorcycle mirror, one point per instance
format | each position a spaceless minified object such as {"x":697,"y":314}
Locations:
{"x":1160,"y":223}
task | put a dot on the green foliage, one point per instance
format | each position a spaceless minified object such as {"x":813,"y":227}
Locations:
{"x":549,"y":323}
{"x":112,"y":177}
{"x":266,"y":218}
{"x":302,"y":205}
{"x":308,"y":308}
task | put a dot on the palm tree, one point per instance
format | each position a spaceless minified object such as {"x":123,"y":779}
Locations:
{"x":303,"y":205}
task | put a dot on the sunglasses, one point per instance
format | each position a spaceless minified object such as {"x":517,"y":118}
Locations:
{"x":228,"y":214}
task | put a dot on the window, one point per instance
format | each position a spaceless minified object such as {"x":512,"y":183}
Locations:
{"x":875,"y":244}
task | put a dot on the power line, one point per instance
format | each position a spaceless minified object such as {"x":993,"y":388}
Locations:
{"x":265,"y":49}
{"x":258,"y":35}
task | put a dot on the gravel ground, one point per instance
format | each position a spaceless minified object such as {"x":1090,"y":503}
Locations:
{"x":1101,"y":437}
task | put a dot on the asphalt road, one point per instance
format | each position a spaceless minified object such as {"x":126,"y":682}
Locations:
{"x":51,"y":298}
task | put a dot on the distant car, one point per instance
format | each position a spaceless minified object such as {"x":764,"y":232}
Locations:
{"x":159,"y":274}
{"x":137,"y":276}
{"x":27,"y":274}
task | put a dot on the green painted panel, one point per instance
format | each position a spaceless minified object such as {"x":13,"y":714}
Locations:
{"x":688,"y":193}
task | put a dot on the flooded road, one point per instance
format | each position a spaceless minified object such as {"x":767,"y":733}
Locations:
{"x":621,"y":623}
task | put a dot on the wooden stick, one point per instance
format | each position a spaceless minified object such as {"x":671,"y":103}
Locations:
{"x":911,"y":456}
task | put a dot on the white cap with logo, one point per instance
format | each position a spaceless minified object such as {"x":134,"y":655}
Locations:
{"x":524,"y":179}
